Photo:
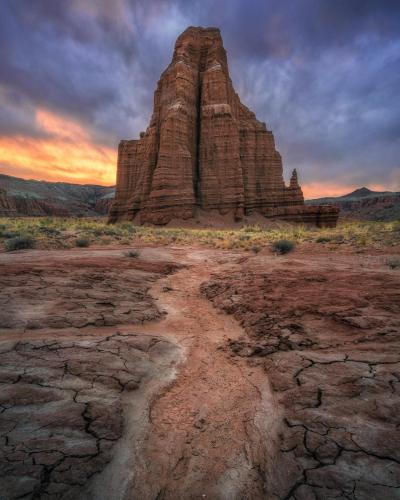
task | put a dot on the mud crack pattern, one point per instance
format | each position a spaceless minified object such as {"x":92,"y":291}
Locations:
{"x":329,"y":343}
{"x":61,"y":408}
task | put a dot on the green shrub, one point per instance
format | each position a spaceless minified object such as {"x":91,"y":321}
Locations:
{"x":8,"y":234}
{"x":110,"y":231}
{"x":283,"y":246}
{"x":19,"y":243}
{"x":82,"y":242}
{"x":323,"y":239}
{"x":127,"y":226}
{"x":50,"y":231}
{"x":393,"y":262}
{"x":134,"y":254}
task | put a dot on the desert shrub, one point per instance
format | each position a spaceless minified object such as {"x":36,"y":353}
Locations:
{"x":393,"y":262}
{"x":244,"y":237}
{"x":361,"y":240}
{"x":396,"y":227}
{"x":252,"y":229}
{"x":50,"y":231}
{"x":134,"y":254}
{"x":105,"y":230}
{"x":8,"y":234}
{"x":82,"y":242}
{"x":255,"y":249}
{"x":110,"y":230}
{"x":283,"y":246}
{"x":323,"y":239}
{"x":127,"y":226}
{"x":19,"y":243}
{"x":338,"y":238}
{"x":97,"y":232}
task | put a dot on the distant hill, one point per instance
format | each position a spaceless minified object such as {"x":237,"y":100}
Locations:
{"x":365,"y":204}
{"x":20,"y":197}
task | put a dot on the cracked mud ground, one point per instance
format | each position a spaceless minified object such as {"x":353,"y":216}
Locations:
{"x":327,"y":335}
{"x":192,"y":373}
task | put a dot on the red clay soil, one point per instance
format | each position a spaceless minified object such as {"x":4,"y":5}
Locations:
{"x":326,"y":332}
{"x":199,"y":374}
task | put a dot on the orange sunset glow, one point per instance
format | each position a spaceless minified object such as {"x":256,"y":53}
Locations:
{"x":68,"y":154}
{"x":326,"y":190}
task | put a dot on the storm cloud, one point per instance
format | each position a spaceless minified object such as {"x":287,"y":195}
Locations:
{"x":323,"y":75}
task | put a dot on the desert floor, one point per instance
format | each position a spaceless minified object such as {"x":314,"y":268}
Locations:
{"x":188,"y":372}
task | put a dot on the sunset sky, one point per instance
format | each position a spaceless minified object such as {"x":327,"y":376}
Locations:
{"x":76,"y":76}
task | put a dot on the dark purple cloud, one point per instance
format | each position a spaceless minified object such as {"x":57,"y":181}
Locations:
{"x":324,"y":75}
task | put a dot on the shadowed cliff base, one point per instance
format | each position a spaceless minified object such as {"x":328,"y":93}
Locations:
{"x":205,"y":149}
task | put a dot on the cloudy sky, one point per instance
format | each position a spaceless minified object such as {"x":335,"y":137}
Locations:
{"x":76,"y":76}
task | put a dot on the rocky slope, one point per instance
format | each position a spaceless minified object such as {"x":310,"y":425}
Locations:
{"x":40,"y":198}
{"x":204,"y":149}
{"x":365,"y":204}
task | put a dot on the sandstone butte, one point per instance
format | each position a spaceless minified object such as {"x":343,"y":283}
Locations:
{"x":204,"y":151}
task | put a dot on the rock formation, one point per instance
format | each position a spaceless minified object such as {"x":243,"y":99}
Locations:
{"x":204,"y":149}
{"x":7,"y":205}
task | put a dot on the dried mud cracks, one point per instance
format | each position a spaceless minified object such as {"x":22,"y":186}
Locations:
{"x":292,"y":395}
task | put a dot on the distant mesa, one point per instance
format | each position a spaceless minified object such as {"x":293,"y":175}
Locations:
{"x":204,"y":151}
{"x":21,"y":197}
{"x":365,"y":204}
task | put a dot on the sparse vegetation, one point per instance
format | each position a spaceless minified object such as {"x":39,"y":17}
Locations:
{"x":53,"y":232}
{"x":133,"y":254}
{"x":19,"y":243}
{"x":82,"y":242}
{"x":283,"y":246}
{"x":393,"y":262}
{"x":252,"y":229}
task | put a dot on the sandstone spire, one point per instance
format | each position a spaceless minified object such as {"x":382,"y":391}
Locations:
{"x":294,"y":182}
{"x":203,"y":148}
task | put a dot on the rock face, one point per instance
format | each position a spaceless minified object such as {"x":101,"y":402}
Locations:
{"x":7,"y":205}
{"x":204,"y":149}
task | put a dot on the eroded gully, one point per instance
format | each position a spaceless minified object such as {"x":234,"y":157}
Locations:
{"x":211,"y":430}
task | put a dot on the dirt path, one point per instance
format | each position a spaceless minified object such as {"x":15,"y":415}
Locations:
{"x":199,"y":441}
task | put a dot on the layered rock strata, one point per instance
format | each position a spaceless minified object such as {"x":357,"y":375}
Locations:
{"x":204,"y":149}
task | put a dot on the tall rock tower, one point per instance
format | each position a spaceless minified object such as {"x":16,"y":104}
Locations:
{"x":204,"y":150}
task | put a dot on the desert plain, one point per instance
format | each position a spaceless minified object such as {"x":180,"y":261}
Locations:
{"x":199,"y":363}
